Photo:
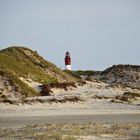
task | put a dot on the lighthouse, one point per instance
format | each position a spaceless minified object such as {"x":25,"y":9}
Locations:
{"x":67,"y":61}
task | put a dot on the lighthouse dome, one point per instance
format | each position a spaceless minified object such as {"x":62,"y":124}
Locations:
{"x":67,"y":53}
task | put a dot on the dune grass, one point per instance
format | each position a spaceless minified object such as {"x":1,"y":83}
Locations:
{"x":15,"y":61}
{"x":22,"y":87}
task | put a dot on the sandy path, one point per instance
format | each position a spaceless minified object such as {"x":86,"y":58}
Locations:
{"x":20,"y":121}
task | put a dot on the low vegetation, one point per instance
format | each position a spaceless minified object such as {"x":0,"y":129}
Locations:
{"x":4,"y":99}
{"x":65,"y":99}
{"x":86,"y":72}
{"x":73,"y":131}
{"x":123,"y":75}
{"x":131,"y":94}
{"x":73,"y":73}
{"x":127,"y":97}
{"x":17,"y":85}
{"x":46,"y":88}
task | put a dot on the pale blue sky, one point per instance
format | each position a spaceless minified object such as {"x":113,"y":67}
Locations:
{"x":98,"y":33}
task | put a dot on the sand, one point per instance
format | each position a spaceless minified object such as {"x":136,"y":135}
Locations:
{"x":95,"y":101}
{"x":95,"y":98}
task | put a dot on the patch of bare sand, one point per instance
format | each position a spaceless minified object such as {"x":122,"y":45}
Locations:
{"x":92,"y":98}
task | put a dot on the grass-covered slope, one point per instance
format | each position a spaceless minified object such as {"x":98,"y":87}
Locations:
{"x":16,"y":62}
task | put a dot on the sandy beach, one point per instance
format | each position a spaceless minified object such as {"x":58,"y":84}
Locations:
{"x":93,"y":105}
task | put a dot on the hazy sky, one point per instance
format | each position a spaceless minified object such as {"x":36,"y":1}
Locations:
{"x":97,"y":33}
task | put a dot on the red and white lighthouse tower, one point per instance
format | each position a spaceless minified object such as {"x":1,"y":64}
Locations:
{"x":67,"y":61}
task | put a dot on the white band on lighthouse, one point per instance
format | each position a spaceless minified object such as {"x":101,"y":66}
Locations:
{"x":68,"y":67}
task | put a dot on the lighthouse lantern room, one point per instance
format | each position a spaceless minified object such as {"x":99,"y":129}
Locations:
{"x":67,"y":61}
